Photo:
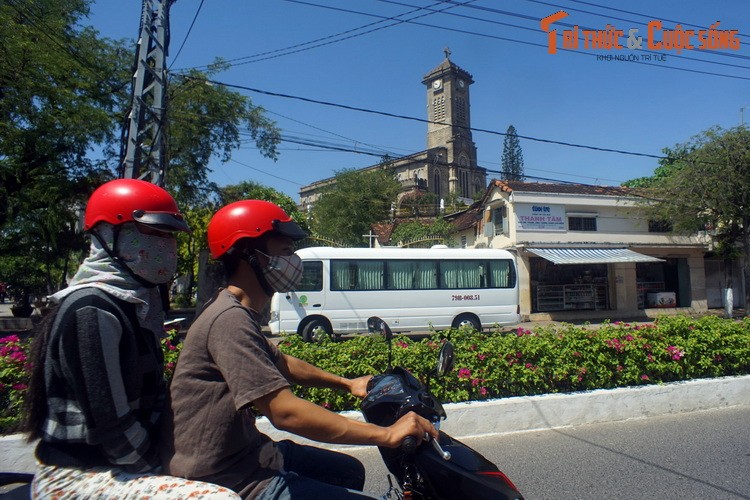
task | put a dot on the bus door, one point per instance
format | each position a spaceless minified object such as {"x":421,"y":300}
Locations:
{"x":308,"y":297}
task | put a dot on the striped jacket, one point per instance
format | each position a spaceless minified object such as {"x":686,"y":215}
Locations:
{"x":104,"y":385}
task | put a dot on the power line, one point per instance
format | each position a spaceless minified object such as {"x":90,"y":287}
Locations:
{"x":327,"y":40}
{"x":495,"y":37}
{"x":190,"y":29}
{"x":644,"y":15}
{"x":536,"y":30}
{"x":423,"y":120}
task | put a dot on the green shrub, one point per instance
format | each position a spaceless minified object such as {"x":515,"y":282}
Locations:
{"x":562,"y":358}
{"x":553,"y":359}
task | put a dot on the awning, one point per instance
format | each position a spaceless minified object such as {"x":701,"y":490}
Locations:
{"x":591,"y":255}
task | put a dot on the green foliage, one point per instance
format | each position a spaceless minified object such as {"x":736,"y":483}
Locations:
{"x":414,"y":230}
{"x":705,"y":184}
{"x":566,"y":358}
{"x":512,"y":159}
{"x":358,"y":199}
{"x":14,"y":380}
{"x":208,"y":121}
{"x":171,"y":345}
{"x":60,"y":91}
{"x":553,"y":359}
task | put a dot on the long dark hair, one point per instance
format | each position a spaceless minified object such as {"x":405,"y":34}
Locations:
{"x":35,"y":401}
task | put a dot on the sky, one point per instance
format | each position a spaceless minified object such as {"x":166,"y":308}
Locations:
{"x":373,"y":54}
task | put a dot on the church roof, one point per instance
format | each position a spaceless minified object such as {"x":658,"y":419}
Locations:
{"x":445,"y":67}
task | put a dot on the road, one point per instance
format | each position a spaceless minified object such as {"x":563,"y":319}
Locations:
{"x":695,"y":455}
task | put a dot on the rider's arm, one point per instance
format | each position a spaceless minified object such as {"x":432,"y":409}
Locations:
{"x":298,"y":416}
{"x":303,"y":373}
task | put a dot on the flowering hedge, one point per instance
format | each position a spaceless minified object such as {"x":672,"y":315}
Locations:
{"x":561,"y":358}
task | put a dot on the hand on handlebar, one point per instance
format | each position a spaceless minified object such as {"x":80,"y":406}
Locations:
{"x":358,"y":386}
{"x":410,"y":424}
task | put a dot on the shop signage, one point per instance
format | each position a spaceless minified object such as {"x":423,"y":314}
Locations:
{"x":540,"y":217}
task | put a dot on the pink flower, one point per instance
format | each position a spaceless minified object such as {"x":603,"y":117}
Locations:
{"x":10,"y":339}
{"x":675,"y":352}
{"x":619,"y":368}
{"x":528,"y":365}
{"x":475,"y":382}
{"x":20,"y":387}
{"x":483,"y":391}
{"x":576,"y":354}
{"x":481,"y":356}
{"x":629,"y":337}
{"x":18,"y":356}
{"x":464,"y":373}
{"x":402,"y":344}
{"x":644,"y":377}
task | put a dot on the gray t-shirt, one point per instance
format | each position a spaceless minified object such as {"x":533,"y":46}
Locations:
{"x":209,"y":431}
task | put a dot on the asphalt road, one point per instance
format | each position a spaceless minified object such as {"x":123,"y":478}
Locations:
{"x":694,"y":455}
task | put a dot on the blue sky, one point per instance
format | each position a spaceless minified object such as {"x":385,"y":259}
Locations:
{"x":572,"y":96}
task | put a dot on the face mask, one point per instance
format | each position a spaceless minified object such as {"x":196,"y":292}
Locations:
{"x":283,"y":272}
{"x":153,"y":258}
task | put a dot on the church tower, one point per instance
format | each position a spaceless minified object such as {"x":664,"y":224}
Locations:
{"x":449,"y":129}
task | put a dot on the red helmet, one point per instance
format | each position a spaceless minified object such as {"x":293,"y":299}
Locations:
{"x":128,"y":200}
{"x":248,"y":219}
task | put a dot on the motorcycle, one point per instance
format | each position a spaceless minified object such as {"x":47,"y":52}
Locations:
{"x":437,"y":469}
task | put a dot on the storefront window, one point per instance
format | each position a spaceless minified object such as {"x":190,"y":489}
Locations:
{"x":568,"y":286}
{"x":668,"y":283}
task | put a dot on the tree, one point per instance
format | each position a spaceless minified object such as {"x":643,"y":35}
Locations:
{"x":705,"y":185}
{"x":414,"y":230}
{"x":64,"y":96}
{"x":512,"y":161}
{"x":209,"y":121}
{"x":60,"y":91}
{"x":358,"y":199}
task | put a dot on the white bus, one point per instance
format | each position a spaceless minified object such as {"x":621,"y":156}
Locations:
{"x":411,"y":289}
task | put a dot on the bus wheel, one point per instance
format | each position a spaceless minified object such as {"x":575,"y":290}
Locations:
{"x":467,"y":320}
{"x":316,"y":330}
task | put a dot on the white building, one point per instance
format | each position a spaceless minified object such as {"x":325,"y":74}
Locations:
{"x":586,"y":251}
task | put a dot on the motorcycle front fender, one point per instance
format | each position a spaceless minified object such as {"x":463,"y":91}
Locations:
{"x":467,"y":474}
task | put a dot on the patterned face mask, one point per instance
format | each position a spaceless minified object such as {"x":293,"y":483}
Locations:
{"x":283,"y":272}
{"x":153,"y":258}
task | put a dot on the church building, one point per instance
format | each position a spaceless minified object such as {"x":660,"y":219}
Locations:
{"x":449,"y":164}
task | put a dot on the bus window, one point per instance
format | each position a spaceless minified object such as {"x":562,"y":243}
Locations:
{"x":369,"y":275}
{"x":502,"y":274}
{"x":461,"y":274}
{"x":312,"y":276}
{"x":412,"y":274}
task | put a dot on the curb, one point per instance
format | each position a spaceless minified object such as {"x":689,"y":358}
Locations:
{"x":518,"y":414}
{"x":550,"y":411}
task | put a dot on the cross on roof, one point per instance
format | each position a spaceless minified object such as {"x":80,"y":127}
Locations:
{"x":447,"y":53}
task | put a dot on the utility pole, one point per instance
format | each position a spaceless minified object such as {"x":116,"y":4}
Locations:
{"x":144,"y":147}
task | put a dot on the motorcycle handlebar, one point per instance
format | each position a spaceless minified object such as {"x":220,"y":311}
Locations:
{"x":409,"y":445}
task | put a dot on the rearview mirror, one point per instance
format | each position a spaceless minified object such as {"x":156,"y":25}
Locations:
{"x":445,"y":360}
{"x":377,"y":325}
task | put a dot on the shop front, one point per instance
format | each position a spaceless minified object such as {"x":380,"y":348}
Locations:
{"x":580,"y":279}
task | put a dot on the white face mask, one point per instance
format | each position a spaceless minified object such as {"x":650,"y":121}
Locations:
{"x":283,"y":272}
{"x":153,"y":258}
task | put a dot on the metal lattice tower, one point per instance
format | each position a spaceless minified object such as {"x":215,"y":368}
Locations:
{"x":145,"y":148}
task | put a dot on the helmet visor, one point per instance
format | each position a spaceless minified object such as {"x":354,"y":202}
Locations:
{"x":163,"y":221}
{"x":289,"y":229}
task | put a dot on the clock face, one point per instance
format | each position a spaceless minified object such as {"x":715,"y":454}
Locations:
{"x":436,"y":84}
{"x":461,"y":83}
